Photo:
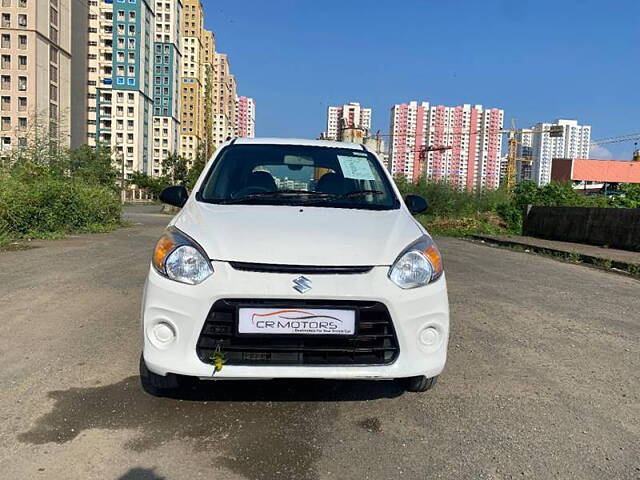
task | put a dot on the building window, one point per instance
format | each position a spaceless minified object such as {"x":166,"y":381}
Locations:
{"x":131,"y":81}
{"x":6,"y":123}
{"x":22,"y":123}
{"x":5,"y":63}
{"x":120,"y":81}
{"x":5,"y":42}
{"x":22,"y":62}
{"x":6,"y":20}
{"x":5,"y":103}
{"x":22,"y":83}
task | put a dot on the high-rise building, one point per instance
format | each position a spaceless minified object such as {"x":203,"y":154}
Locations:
{"x":224,"y":99}
{"x":206,"y":112}
{"x":470,"y":133}
{"x":166,"y":82}
{"x":524,"y":153}
{"x":245,"y":117}
{"x":351,"y":115}
{"x":37,"y":41}
{"x":537,"y":144}
{"x":192,"y":105}
{"x":121,"y":82}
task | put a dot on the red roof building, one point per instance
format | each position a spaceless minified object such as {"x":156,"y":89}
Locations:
{"x":593,"y":170}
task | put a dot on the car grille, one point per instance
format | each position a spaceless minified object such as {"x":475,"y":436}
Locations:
{"x":303,"y":269}
{"x":375,"y":342}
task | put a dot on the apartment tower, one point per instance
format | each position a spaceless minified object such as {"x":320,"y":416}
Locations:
{"x":224,"y":99}
{"x":206,"y":112}
{"x":470,"y":137}
{"x":192,"y":89}
{"x":36,"y":72}
{"x":537,"y":144}
{"x":245,"y":117}
{"x":166,"y":82}
{"x":121,"y":52}
{"x":351,"y":115}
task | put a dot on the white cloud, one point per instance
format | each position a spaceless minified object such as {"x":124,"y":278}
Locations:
{"x":598,"y":151}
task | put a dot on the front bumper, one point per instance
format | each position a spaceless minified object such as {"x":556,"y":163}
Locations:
{"x":185,"y":308}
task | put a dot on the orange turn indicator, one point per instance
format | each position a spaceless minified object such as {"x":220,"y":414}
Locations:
{"x":163,"y":248}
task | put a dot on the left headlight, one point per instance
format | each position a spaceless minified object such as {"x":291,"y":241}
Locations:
{"x":419,"y":264}
{"x":180,"y":258}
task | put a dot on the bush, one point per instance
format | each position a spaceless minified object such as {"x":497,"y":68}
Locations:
{"x":47,"y":206}
{"x":446,"y":200}
{"x":512,"y":214}
{"x":453,"y":211}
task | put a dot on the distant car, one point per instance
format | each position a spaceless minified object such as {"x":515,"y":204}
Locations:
{"x":294,"y":259}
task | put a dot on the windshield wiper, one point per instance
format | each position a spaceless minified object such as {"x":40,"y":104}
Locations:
{"x":277,"y":193}
{"x":298,"y":193}
{"x":361,"y":192}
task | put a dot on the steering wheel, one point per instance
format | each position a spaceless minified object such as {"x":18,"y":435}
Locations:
{"x":248,"y":191}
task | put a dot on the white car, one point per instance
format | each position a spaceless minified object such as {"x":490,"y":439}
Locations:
{"x":294,"y":259}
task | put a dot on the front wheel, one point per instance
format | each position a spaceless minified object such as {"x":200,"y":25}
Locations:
{"x":154,"y":384}
{"x":419,"y":383}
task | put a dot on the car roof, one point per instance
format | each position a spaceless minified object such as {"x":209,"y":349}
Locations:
{"x":297,"y":141}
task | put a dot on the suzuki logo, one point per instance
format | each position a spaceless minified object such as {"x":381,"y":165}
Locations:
{"x":302,"y":284}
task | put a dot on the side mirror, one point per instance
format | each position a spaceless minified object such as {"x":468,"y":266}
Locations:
{"x":176,"y":195}
{"x":416,"y":204}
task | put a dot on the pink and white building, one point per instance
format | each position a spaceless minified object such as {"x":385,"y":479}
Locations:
{"x":347,"y":116}
{"x":471,"y":132}
{"x":245,"y":117}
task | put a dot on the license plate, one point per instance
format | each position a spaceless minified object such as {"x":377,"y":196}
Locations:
{"x":298,"y":321}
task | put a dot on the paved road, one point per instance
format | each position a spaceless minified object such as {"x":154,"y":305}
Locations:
{"x":543,"y":381}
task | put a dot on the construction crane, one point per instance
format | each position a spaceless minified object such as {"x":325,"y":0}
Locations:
{"x":624,"y":138}
{"x":432,"y":148}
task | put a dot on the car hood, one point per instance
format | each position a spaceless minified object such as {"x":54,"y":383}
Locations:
{"x":288,"y":235}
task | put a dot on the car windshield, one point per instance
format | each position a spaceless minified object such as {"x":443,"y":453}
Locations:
{"x":298,"y":175}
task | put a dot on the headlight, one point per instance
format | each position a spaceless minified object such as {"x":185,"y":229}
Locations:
{"x":418,"y":264}
{"x":180,"y":258}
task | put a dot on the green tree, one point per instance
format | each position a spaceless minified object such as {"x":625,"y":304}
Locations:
{"x":153,"y":184}
{"x":175,"y":168}
{"x":197,"y":166}
{"x":93,"y":166}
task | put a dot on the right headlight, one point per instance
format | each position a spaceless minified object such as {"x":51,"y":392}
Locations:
{"x":180,"y":258}
{"x":419,"y":264}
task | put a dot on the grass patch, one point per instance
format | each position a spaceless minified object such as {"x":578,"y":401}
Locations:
{"x":480,"y":223}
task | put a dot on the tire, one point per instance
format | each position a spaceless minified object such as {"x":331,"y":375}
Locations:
{"x":419,"y":383}
{"x":157,"y":385}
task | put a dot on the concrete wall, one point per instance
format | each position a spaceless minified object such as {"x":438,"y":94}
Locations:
{"x":614,"y":227}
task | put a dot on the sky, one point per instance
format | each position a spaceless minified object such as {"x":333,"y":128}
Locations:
{"x":538,"y":61}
